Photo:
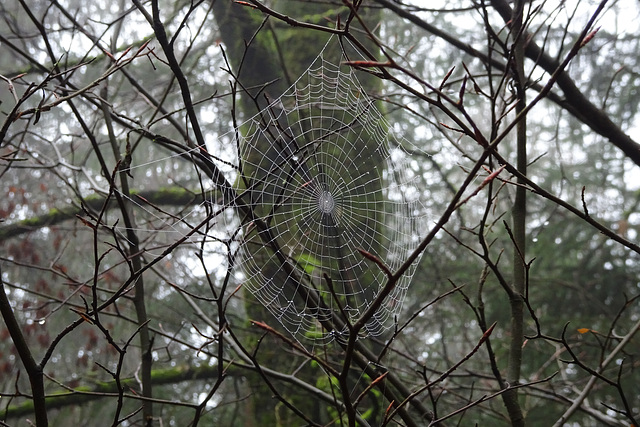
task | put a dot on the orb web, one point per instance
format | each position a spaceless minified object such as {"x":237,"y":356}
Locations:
{"x":326,"y":180}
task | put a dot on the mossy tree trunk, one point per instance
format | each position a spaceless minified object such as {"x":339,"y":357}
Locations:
{"x":266,"y":58}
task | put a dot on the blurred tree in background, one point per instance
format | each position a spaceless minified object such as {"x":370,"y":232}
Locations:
{"x":119,"y":301}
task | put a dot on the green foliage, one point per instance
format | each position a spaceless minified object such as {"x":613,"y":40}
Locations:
{"x":309,"y":263}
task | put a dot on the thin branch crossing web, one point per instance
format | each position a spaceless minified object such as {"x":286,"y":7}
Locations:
{"x":329,"y":200}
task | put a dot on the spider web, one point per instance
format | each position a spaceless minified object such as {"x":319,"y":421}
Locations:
{"x":326,"y":180}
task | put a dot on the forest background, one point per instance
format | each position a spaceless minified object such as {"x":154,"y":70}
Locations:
{"x":123,"y":203}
